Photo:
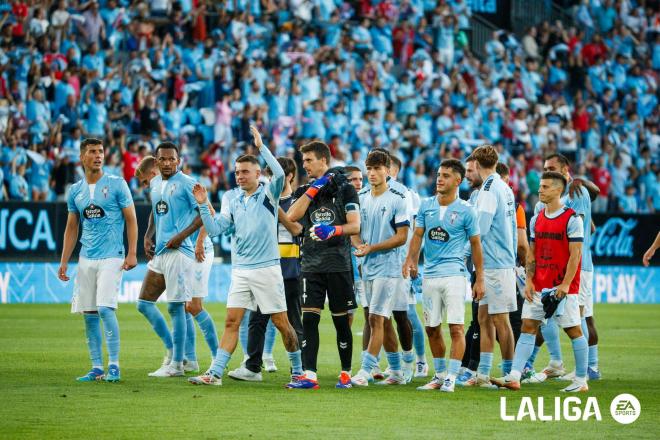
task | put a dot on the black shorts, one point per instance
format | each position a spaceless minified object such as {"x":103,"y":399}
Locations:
{"x":338,"y":286}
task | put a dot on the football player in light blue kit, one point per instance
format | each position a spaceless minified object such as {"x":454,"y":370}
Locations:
{"x":446,"y":224}
{"x":580,"y":202}
{"x":145,"y":172}
{"x":174,"y":219}
{"x":384,"y":216}
{"x":496,"y":207}
{"x":102,"y":204}
{"x":256,"y":273}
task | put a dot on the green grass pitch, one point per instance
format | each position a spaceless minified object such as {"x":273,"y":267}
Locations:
{"x":42,"y":350}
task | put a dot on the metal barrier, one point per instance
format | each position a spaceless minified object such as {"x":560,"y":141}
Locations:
{"x":525,"y":13}
{"x":482,"y":31}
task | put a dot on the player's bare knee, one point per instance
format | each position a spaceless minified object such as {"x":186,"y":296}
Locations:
{"x":529,"y":326}
{"x":376,"y":320}
{"x":456,"y":331}
{"x":433,"y":332}
{"x":194,"y":307}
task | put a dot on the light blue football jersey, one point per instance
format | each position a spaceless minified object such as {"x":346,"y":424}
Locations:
{"x":101,"y":216}
{"x":447,"y":232}
{"x":174,"y":209}
{"x":253,"y":219}
{"x":380,"y":217}
{"x":496,"y":211}
{"x":582,"y":207}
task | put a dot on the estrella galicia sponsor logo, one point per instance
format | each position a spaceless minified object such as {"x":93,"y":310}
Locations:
{"x":438,"y":234}
{"x":323,"y":216}
{"x":625,"y":408}
{"x":614,"y":238}
{"x":162,"y":208}
{"x":93,"y":212}
{"x":570,"y":409}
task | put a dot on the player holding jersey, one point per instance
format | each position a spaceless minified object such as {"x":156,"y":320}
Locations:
{"x":556,"y":235}
{"x":384,"y":228}
{"x":199,"y":283}
{"x":174,"y":219}
{"x":445,"y":224}
{"x":102,"y":204}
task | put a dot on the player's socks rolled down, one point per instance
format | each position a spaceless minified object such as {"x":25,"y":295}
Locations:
{"x":177,"y":312}
{"x":94,"y":339}
{"x":550,"y":333}
{"x":440,"y":365}
{"x":394,"y":359}
{"x":408,"y":356}
{"x":344,"y":340}
{"x":485,"y":363}
{"x":295,"y":357}
{"x":111,"y":329}
{"x":454,"y":367}
{"x":190,"y":352}
{"x":243,"y":332}
{"x":310,"y":343}
{"x":532,"y":357}
{"x":581,"y":353}
{"x":418,"y":333}
{"x":269,"y":340}
{"x":207,"y":326}
{"x":506,"y":366}
{"x":524,"y":350}
{"x":585,"y":328}
{"x":593,"y":356}
{"x":220,"y":362}
{"x":157,"y":321}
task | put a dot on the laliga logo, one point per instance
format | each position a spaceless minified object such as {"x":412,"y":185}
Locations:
{"x":625,"y":409}
{"x":613,"y":239}
{"x":569,"y":409}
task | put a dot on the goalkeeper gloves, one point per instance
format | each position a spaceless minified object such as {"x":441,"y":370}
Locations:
{"x":325,"y":232}
{"x":316,"y":185}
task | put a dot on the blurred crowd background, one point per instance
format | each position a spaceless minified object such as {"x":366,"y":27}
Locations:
{"x":361,"y":74}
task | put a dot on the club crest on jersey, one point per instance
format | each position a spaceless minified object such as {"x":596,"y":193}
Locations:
{"x":93,"y":212}
{"x":323,"y":216}
{"x":162,"y":208}
{"x":105,"y":191}
{"x":438,"y":234}
{"x":452,"y":217}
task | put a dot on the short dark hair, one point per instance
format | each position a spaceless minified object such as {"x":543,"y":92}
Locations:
{"x":378,"y":158}
{"x":288,"y":165}
{"x":89,"y":141}
{"x":352,"y":169}
{"x":250,"y":158}
{"x":502,"y":169}
{"x":563,"y":160}
{"x":486,"y":156}
{"x":455,"y":165}
{"x":167,"y":146}
{"x":396,"y":161}
{"x":320,"y":150}
{"x":555,"y":176}
{"x":470,"y":158}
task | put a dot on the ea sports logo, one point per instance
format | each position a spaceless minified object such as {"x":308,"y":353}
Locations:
{"x":625,"y":408}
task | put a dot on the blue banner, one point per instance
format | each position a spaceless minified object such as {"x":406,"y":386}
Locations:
{"x":38,"y":283}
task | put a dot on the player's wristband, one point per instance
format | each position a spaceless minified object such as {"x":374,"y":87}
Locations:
{"x":339,"y":230}
{"x":311,"y":192}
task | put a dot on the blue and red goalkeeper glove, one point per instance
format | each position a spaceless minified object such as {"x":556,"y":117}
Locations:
{"x":325,"y":232}
{"x":316,"y":185}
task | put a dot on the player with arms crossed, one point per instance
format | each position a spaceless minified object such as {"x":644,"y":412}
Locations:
{"x":384,"y":228}
{"x":495,"y":206}
{"x":556,"y":235}
{"x":328,"y":209}
{"x":199,"y":284}
{"x":174,"y":220}
{"x":102,"y":204}
{"x":256,"y":277}
{"x":445,"y":224}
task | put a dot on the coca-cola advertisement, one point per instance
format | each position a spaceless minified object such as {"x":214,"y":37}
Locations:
{"x":623,"y":239}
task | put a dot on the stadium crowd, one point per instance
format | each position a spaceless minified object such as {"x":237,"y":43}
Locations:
{"x":359,"y":75}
